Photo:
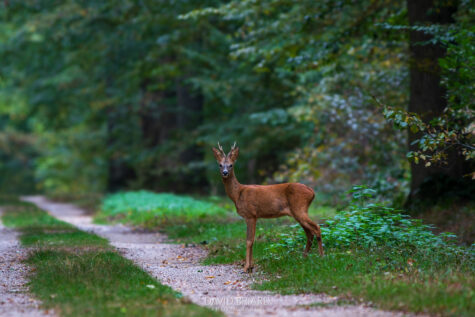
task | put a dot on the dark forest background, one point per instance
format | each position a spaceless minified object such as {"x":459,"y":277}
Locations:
{"x":102,"y":96}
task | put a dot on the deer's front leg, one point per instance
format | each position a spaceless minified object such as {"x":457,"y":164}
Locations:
{"x":251,"y":232}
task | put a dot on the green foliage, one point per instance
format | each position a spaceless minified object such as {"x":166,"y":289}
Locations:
{"x":335,"y":55}
{"x":8,"y":199}
{"x":375,"y":227}
{"x":124,"y":94}
{"x":131,"y":95}
{"x":143,"y":206}
{"x":16,"y":165}
{"x":453,"y":129}
{"x":63,"y":154}
{"x":369,"y":225}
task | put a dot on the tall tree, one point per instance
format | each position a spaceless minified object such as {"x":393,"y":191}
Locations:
{"x":428,"y":98}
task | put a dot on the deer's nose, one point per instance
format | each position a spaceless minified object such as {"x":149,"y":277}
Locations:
{"x":225,"y":172}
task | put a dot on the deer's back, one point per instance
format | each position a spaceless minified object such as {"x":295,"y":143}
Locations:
{"x":272,"y":201}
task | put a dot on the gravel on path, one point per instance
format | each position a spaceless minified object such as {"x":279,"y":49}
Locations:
{"x":14,"y":298}
{"x":222,"y":287}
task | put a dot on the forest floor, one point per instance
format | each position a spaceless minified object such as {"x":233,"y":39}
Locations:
{"x":14,"y":297}
{"x":222,"y":287}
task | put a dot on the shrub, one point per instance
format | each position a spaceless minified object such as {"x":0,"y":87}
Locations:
{"x":374,"y":226}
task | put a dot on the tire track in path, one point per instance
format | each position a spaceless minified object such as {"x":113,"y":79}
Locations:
{"x":14,"y":298}
{"x":221,"y":287}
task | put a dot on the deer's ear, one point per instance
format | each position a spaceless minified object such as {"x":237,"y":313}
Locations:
{"x":233,"y":155}
{"x":217,"y":154}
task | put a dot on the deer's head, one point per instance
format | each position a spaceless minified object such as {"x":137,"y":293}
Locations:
{"x":226,"y":162}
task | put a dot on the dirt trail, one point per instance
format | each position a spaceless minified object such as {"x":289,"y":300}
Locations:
{"x":221,"y":287}
{"x":14,"y":298}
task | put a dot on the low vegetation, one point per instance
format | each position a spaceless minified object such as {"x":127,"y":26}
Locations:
{"x":79,"y":274}
{"x":373,"y":254}
{"x":146,"y":207}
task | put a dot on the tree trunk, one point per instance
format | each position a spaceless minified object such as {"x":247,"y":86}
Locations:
{"x":427,"y":98}
{"x":189,"y":116}
{"x":120,"y":174}
{"x":166,"y":118}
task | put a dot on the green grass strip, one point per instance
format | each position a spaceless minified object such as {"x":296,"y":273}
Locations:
{"x":79,"y":274}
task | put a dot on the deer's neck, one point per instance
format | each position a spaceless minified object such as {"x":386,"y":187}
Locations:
{"x":232,"y":187}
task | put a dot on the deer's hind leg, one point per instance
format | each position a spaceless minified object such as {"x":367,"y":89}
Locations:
{"x":309,"y":235}
{"x":318,"y":234}
{"x":313,"y":228}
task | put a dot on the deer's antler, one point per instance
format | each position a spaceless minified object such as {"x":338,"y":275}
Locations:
{"x":234,"y":146}
{"x":221,"y":149}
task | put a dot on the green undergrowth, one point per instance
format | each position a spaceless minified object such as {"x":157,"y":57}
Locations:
{"x":143,"y":207}
{"x":79,"y":274}
{"x":373,"y":254}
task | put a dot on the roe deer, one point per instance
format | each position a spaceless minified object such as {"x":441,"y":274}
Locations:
{"x":266,"y":201}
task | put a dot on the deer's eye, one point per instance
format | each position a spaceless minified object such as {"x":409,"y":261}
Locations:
{"x":230,"y":165}
{"x":220,"y":165}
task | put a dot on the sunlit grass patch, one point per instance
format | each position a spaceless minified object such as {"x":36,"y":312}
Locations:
{"x":146,"y":207}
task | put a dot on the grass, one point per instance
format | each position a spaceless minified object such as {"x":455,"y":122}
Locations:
{"x":147,"y":207}
{"x":42,"y":230}
{"x":80,"y":274}
{"x":394,"y":262}
{"x":359,"y":275}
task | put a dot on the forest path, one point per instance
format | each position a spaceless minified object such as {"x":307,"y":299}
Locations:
{"x":222,"y":287}
{"x":14,"y":298}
